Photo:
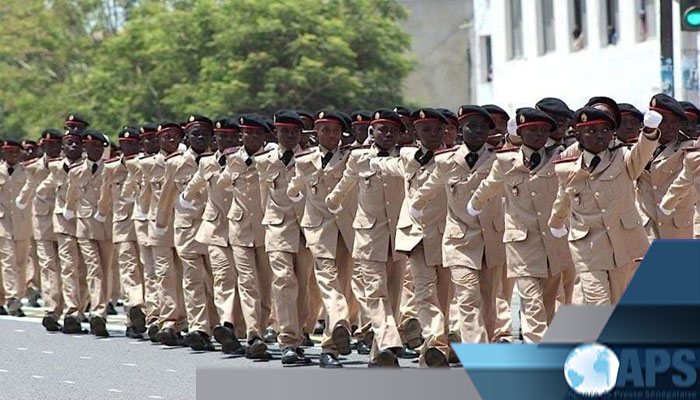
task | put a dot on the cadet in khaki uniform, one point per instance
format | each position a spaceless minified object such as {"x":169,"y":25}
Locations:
{"x":631,"y":121}
{"x":660,"y":172}
{"x":379,"y":204}
{"x":93,"y":230}
{"x":533,"y":256}
{"x":290,"y":260}
{"x":123,"y":231}
{"x":685,"y":183}
{"x":56,"y":185}
{"x":14,"y":230}
{"x":42,"y":227}
{"x":472,"y":247}
{"x":596,"y":195}
{"x":420,"y":234}
{"x":187,"y":216}
{"x":691,"y":131}
{"x":32,"y":152}
{"x":329,"y":237}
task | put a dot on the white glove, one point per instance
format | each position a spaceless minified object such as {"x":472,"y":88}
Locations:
{"x":297,"y":198}
{"x":415,"y":213}
{"x":665,"y":211}
{"x":471,"y":210}
{"x":652,"y":119}
{"x":19,"y":204}
{"x":335,"y":211}
{"x":559,"y":232}
{"x":512,"y":126}
{"x":184,"y":203}
{"x":373,"y":164}
{"x":68,"y":214}
{"x":99,"y":217}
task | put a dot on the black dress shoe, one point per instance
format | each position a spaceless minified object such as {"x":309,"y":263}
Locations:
{"x":385,"y":358}
{"x":83,"y":319}
{"x":50,"y":322}
{"x":153,"y":332}
{"x":368,"y":338}
{"x":292,"y":356}
{"x":132,"y":334}
{"x":435,"y":359}
{"x":503,"y":340}
{"x":362,"y":348}
{"x":3,"y":311}
{"x":110,"y":309}
{"x":414,"y":333}
{"x":17,"y":313}
{"x":407,"y":353}
{"x":33,"y":299}
{"x":138,"y":319}
{"x":169,"y":337}
{"x":306,"y":340}
{"x":229,"y":344}
{"x":320,"y":327}
{"x":98,"y":327}
{"x":199,"y":341}
{"x":329,"y":360}
{"x":71,"y":325}
{"x":256,"y":349}
{"x":270,"y":335}
{"x":341,"y":339}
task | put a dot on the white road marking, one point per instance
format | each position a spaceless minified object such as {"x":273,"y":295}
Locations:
{"x":130,"y":364}
{"x":4,"y":370}
{"x":22,"y":348}
{"x":134,"y":342}
{"x":155,"y":397}
{"x":20,"y":330}
{"x":85,"y":358}
{"x":114,"y":390}
{"x":47,"y":352}
{"x":105,"y":340}
{"x":69,"y":382}
{"x":77,"y":336}
{"x":170,"y":370}
{"x":37,"y":377}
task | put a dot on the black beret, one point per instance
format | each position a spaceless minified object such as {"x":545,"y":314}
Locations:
{"x":252,"y":121}
{"x":149,"y":129}
{"x":468,"y":110}
{"x":494,"y":109}
{"x":627,"y":108}
{"x":691,"y":110}
{"x":554,"y":106}
{"x":347,"y":119}
{"x":227,"y":124}
{"x":428,"y":114}
{"x":452,"y":117}
{"x":326,"y":115}
{"x":665,"y":103}
{"x":51,"y":134}
{"x":196,"y":120}
{"x":361,"y":117}
{"x":403,"y":111}
{"x":608,"y":105}
{"x":305,"y":114}
{"x":288,"y":117}
{"x":270,"y":123}
{"x":387,"y":115}
{"x":129,"y":133}
{"x":166,"y":126}
{"x":593,"y":115}
{"x":527,"y":116}
{"x":76,"y":120}
{"x":11,"y":143}
{"x":94,"y":134}
{"x":28,"y":143}
{"x":72,"y":133}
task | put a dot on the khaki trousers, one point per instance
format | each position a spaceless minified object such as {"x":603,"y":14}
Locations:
{"x":566,"y":287}
{"x":251,"y":264}
{"x":150,"y":281}
{"x":504,"y":318}
{"x":169,"y":282}
{"x":114,"y":290}
{"x":328,"y":276}
{"x":314,"y":305}
{"x":382,"y":286}
{"x":131,"y":274}
{"x":408,"y":307}
{"x":289,"y":297}
{"x":224,"y":279}
{"x":537,"y":298}
{"x":198,"y":289}
{"x":13,"y":258}
{"x":72,"y":275}
{"x":604,"y":287}
{"x":475,"y":295}
{"x":51,"y":288}
{"x":97,"y":255}
{"x":357,"y":292}
{"x":33,"y":276}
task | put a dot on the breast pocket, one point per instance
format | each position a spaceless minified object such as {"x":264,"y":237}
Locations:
{"x":364,"y":221}
{"x":514,"y":235}
{"x":367,"y":183}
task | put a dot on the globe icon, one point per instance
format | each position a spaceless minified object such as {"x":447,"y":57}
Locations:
{"x":591,"y":369}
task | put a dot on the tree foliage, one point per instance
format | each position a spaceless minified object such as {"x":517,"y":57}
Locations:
{"x":131,"y":61}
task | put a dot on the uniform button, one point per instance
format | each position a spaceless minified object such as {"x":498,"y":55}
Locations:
{"x":544,"y":233}
{"x":387,"y":203}
{"x":384,"y":184}
{"x":539,"y":213}
{"x":603,"y":211}
{"x":654,"y":187}
{"x":661,"y":223}
{"x":533,"y":194}
{"x":597,"y":194}
{"x":607,"y":228}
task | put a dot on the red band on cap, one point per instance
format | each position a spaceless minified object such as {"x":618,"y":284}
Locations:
{"x":226,"y":130}
{"x":30,"y":145}
{"x":360,"y":123}
{"x":168,"y":128}
{"x":69,"y":135}
{"x":74,"y":123}
{"x":128,"y":140}
{"x":92,"y":140}
{"x":593,"y":122}
{"x":11,"y":147}
{"x":461,"y":117}
{"x":290,"y":124}
{"x":195,"y":123}
{"x":691,"y":114}
{"x":534,"y":123}
{"x":251,"y":127}
{"x":424,"y":120}
{"x":391,"y":121}
{"x":49,"y":140}
{"x":149,"y":133}
{"x":328,"y":120}
{"x":661,"y":110}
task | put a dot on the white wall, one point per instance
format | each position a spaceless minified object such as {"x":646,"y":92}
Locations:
{"x":627,"y":72}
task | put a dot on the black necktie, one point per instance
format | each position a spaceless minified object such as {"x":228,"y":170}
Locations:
{"x":222,"y":160}
{"x":383,"y":153}
{"x":658,"y":151}
{"x":471,"y":159}
{"x":94,"y":168}
{"x":287,"y":157}
{"x":535,"y":159}
{"x":10,"y":170}
{"x":426,"y":157}
{"x":594,"y":163}
{"x":66,"y":167}
{"x":248,"y":161}
{"x":326,"y":159}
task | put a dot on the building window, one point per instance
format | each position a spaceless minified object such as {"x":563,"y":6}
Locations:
{"x":545,"y":14}
{"x":610,"y":25}
{"x":486,"y":59}
{"x":514,"y":24}
{"x":577,"y":23}
{"x":646,"y":19}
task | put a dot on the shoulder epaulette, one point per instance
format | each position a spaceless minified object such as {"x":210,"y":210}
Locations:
{"x":175,"y":154}
{"x":111,"y":160}
{"x":146,"y":156}
{"x":443,"y":151}
{"x":264,"y":152}
{"x":631,"y":140}
{"x":76,"y":165}
{"x":131,"y":157}
{"x":231,"y":150}
{"x":347,"y":147}
{"x":305,"y":153}
{"x":692,"y":149}
{"x":30,"y":162}
{"x":508,"y":149}
{"x":565,"y":160}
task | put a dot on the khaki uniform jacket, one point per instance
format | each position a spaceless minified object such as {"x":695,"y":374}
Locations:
{"x":321,"y":228}
{"x":14,"y":223}
{"x":82,"y":197}
{"x":245,"y":214}
{"x":209,"y":183}
{"x":432,"y":225}
{"x":56,"y":184}
{"x":281,"y":216}
{"x":531,"y":250}
{"x":605,"y":228}
{"x":685,"y":182}
{"x":42,"y":221}
{"x":652,"y":185}
{"x":113,"y":203}
{"x":153,"y":171}
{"x":180,"y":168}
{"x":378,"y":205}
{"x":139,"y":188}
{"x":467,"y":240}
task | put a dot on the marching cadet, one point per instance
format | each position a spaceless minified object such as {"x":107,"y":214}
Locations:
{"x":346,"y":137}
{"x":31,"y":152}
{"x":123,"y":231}
{"x":472,"y":247}
{"x":290,"y":259}
{"x":94,"y":242}
{"x":42,"y":227}
{"x":56,"y":185}
{"x":180,"y":168}
{"x":409,"y":136}
{"x":15,"y":233}
{"x":561,"y":114}
{"x":683,"y":185}
{"x":627,"y":132}
{"x":379,"y":204}
{"x":596,"y":195}
{"x":691,"y":131}
{"x":497,"y":136}
{"x":360,"y":125}
{"x":533,"y":256}
{"x":419,"y":233}
{"x":329,"y":236}
{"x":451,"y":129}
{"x":658,"y":175}
{"x":308,"y":134}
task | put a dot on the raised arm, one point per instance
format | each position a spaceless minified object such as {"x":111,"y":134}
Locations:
{"x":682,"y":186}
{"x":430,"y":189}
{"x":489,"y":188}
{"x":351,"y":176}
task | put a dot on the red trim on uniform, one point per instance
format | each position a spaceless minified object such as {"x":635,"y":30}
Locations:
{"x":691,"y":114}
{"x":360,"y":122}
{"x":661,"y":110}
{"x":289,"y":124}
{"x":252,"y":127}
{"x":391,"y":121}
{"x":195,"y":123}
{"x":328,"y":120}
{"x":534,"y":123}
{"x":594,"y":122}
